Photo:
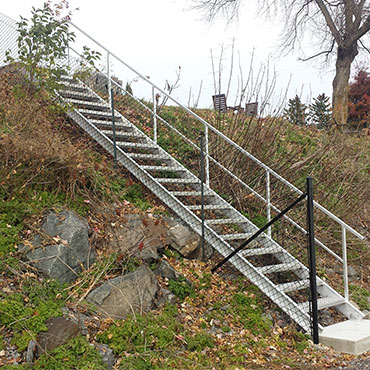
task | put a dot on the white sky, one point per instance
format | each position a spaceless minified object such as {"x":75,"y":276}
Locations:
{"x":156,"y":37}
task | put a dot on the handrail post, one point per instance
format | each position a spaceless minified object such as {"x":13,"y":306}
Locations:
{"x":206,"y":154}
{"x":110,"y":91}
{"x":201,"y":139}
{"x":345,"y":265}
{"x":268,"y":201}
{"x":312,"y":261}
{"x":154,"y":115}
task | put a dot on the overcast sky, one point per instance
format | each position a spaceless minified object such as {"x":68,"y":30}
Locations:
{"x":156,"y":37}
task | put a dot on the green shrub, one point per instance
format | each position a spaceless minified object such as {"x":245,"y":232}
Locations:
{"x":181,"y":288}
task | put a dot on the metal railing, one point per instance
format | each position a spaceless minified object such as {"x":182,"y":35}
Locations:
{"x":151,"y":94}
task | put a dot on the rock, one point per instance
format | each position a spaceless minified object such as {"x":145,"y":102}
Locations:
{"x":106,"y":354}
{"x":149,"y":254}
{"x":78,"y":318}
{"x":165,"y":270}
{"x":128,"y":294}
{"x":326,"y":318}
{"x":63,"y":261}
{"x":183,"y":240}
{"x":165,"y":296}
{"x":31,"y":350}
{"x":352,"y":272}
{"x":60,"y":331}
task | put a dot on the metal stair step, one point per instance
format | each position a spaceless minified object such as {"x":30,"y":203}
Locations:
{"x":236,"y":236}
{"x":208,"y":207}
{"x":322,"y":303}
{"x":122,"y":134}
{"x":128,"y":144}
{"x":163,"y":168}
{"x":118,"y":125}
{"x":178,"y":181}
{"x":258,"y":251}
{"x":75,"y":86}
{"x":190,"y":193}
{"x":294,"y":285}
{"x":220,"y":221}
{"x":97,"y":113}
{"x":84,"y":103}
{"x":146,"y":156}
{"x":291,"y":266}
{"x":78,"y":95}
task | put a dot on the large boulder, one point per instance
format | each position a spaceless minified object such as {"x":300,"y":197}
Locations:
{"x":128,"y":294}
{"x":62,"y":261}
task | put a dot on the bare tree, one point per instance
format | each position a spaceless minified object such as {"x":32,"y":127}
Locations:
{"x":337,"y":25}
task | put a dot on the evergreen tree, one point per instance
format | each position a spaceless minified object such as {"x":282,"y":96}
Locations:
{"x":296,"y":111}
{"x":320,"y":111}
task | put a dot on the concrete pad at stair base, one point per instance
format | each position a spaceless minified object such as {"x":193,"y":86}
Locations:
{"x":352,"y":336}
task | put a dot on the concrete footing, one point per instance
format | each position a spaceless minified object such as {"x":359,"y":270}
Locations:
{"x":352,"y":336}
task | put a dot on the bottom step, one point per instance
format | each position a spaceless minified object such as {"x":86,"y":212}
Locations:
{"x":322,"y":303}
{"x":352,"y":336}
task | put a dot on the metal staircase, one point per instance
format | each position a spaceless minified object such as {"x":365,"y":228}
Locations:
{"x":150,"y":163}
{"x":276,"y":272}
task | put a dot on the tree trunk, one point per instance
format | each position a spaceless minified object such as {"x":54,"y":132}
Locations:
{"x":345,"y":57}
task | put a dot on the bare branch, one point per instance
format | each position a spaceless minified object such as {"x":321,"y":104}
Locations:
{"x":329,"y":21}
{"x":327,"y":52}
{"x":364,"y":47}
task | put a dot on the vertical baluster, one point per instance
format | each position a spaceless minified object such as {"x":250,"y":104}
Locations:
{"x":206,"y":154}
{"x":268,"y":201}
{"x":154,"y":115}
{"x":345,"y":266}
{"x":109,"y":80}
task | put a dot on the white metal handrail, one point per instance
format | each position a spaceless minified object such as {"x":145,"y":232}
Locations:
{"x":220,"y":134}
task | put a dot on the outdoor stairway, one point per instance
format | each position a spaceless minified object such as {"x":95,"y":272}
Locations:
{"x":265,"y":263}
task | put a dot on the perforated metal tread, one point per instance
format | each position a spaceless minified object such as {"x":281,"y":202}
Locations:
{"x":177,"y":201}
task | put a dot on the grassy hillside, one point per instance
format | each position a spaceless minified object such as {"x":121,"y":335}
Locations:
{"x":222,"y":322}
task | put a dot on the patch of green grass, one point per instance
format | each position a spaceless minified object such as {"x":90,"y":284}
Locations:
{"x":76,"y":354}
{"x":136,"y":362}
{"x":199,"y":342}
{"x":181,"y":288}
{"x":360,"y":296}
{"x":301,"y":341}
{"x":249,"y":313}
{"x":133,"y":193}
{"x":142,"y":333}
{"x":26,"y":313}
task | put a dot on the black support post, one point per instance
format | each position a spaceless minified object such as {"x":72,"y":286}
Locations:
{"x":312,"y":262}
